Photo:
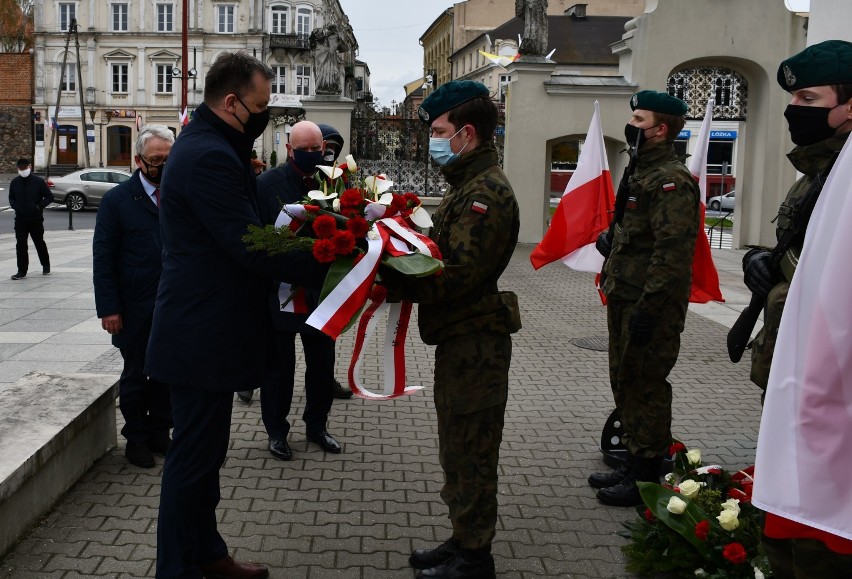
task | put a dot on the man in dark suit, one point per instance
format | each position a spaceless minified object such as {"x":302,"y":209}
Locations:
{"x":28,"y":196}
{"x":208,"y":338}
{"x":290,"y":183}
{"x":127,"y":261}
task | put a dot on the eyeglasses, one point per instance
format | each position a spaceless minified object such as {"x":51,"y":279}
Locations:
{"x":154,"y":162}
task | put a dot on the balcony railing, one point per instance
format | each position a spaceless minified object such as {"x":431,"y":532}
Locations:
{"x":295,"y":41}
{"x":364,"y":95}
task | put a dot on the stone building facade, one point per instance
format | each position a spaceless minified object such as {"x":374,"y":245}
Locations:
{"x":16,"y":97}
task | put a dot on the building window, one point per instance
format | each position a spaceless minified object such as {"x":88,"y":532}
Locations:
{"x":120,"y":74}
{"x":69,"y":81}
{"x":67,"y":13}
{"x":303,"y":80}
{"x":695,"y":86}
{"x":720,"y":154}
{"x":303,"y":21}
{"x":164,"y":78}
{"x":278,"y":19}
{"x":119,"y":17}
{"x":677,"y":88}
{"x":165,"y":18}
{"x":723,"y":91}
{"x":225,"y":18}
{"x":278,"y":84}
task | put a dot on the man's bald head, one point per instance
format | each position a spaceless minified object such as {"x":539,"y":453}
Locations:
{"x":305,"y":136}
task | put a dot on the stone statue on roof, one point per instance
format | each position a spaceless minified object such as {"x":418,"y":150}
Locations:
{"x":534,"y":39}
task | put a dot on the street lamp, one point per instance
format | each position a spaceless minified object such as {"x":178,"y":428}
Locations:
{"x":108,"y":115}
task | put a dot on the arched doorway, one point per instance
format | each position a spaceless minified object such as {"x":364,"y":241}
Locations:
{"x":66,"y":146}
{"x":119,"y":149}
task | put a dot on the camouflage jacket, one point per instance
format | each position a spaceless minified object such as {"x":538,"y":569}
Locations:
{"x":653,"y":246}
{"x":476,"y":228}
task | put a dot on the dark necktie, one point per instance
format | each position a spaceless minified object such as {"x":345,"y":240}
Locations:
{"x":157,"y":195}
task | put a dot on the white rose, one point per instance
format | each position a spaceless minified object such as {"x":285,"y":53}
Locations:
{"x":694,"y":456}
{"x":336,"y":205}
{"x":728,"y":519}
{"x":758,"y":574}
{"x":700,"y":572}
{"x":689,"y":488}
{"x":351,"y":165}
{"x":732,"y":505}
{"x":676,"y":506}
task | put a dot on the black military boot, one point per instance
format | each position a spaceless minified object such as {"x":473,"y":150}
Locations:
{"x":466,"y":564}
{"x":602,"y":480}
{"x":626,"y":493}
{"x":426,"y":558}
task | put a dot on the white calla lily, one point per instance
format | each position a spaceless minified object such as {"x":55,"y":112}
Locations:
{"x":421,"y":218}
{"x":386,"y":199}
{"x":331,"y":172}
{"x":318,"y":195}
{"x":351,"y":165}
{"x":378,"y":184}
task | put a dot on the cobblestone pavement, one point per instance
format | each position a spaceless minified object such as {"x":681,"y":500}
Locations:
{"x":360,"y":513}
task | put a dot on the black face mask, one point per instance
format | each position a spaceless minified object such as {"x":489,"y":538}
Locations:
{"x":256,"y":123}
{"x":158,"y":171}
{"x":636,"y":136}
{"x":307,"y":161}
{"x":809,"y":125}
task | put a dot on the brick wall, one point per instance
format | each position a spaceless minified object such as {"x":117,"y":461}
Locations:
{"x":16,"y":97}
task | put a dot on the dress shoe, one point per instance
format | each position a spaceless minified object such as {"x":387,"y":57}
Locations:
{"x":626,"y":493}
{"x":602,"y":480}
{"x":245,"y":395}
{"x":341,"y":392}
{"x":279,"y":448}
{"x":326,"y":441}
{"x":45,"y":271}
{"x":19,"y":275}
{"x":159,"y":444}
{"x":466,"y":564}
{"x":426,"y":558}
{"x":137,"y":453}
{"x":227,"y":568}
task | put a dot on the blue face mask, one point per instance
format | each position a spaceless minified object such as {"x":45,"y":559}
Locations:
{"x":440,"y":150}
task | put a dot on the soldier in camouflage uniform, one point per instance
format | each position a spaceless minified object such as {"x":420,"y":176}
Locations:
{"x":647,"y":280}
{"x":819,"y":117}
{"x":469,"y":320}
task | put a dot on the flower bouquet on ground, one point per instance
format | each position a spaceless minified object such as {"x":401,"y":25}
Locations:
{"x":355,"y":224}
{"x":699,"y":523}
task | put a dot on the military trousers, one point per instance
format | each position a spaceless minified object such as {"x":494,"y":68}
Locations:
{"x":638,"y":372}
{"x":471,"y":389}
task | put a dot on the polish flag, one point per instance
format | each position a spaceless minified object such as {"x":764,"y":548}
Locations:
{"x":584,"y":210}
{"x":183,"y":117}
{"x":802,"y":471}
{"x":705,"y":278}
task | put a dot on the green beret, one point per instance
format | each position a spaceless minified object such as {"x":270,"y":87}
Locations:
{"x":822,"y":64}
{"x":449,"y":96}
{"x":659,"y":102}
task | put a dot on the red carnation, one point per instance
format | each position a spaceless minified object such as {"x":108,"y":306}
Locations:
{"x":399,"y":203}
{"x":324,"y":250}
{"x":324,"y":226}
{"x":358,"y":226}
{"x":735,"y":553}
{"x":411,"y":200}
{"x":649,"y":516}
{"x":676,"y":448}
{"x":344,"y":242}
{"x":312,"y":208}
{"x":352,"y":198}
{"x":702,"y":529}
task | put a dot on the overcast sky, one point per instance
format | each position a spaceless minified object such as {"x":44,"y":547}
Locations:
{"x":388,"y":33}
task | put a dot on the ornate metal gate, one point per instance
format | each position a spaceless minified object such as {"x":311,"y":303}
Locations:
{"x":397,"y":147}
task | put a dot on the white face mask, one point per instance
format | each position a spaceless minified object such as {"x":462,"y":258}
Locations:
{"x":24,"y":172}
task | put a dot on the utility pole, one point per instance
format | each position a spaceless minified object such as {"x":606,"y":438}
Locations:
{"x":184,"y":57}
{"x":85,"y":138}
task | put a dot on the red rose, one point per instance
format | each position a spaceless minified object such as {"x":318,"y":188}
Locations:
{"x":324,"y":250}
{"x":312,"y":208}
{"x":344,"y":242}
{"x":412,"y":200}
{"x":676,"y":448}
{"x":702,"y":529}
{"x":649,"y":516}
{"x":324,"y":226}
{"x":358,"y":226}
{"x":735,"y":553}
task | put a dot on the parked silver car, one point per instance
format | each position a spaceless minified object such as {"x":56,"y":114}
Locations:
{"x":722,"y":202}
{"x":85,"y":188}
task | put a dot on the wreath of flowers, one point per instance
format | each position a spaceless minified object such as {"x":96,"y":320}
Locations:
{"x":699,"y":523}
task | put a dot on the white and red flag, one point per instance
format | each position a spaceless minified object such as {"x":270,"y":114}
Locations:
{"x":705,"y":278}
{"x":183,"y":117}
{"x":584,"y":210}
{"x":803,"y":468}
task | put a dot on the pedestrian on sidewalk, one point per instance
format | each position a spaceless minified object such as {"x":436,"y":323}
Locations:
{"x":471,"y":322}
{"x":127,"y":262}
{"x":211,"y":319}
{"x":28,"y":196}
{"x":648,"y":273}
